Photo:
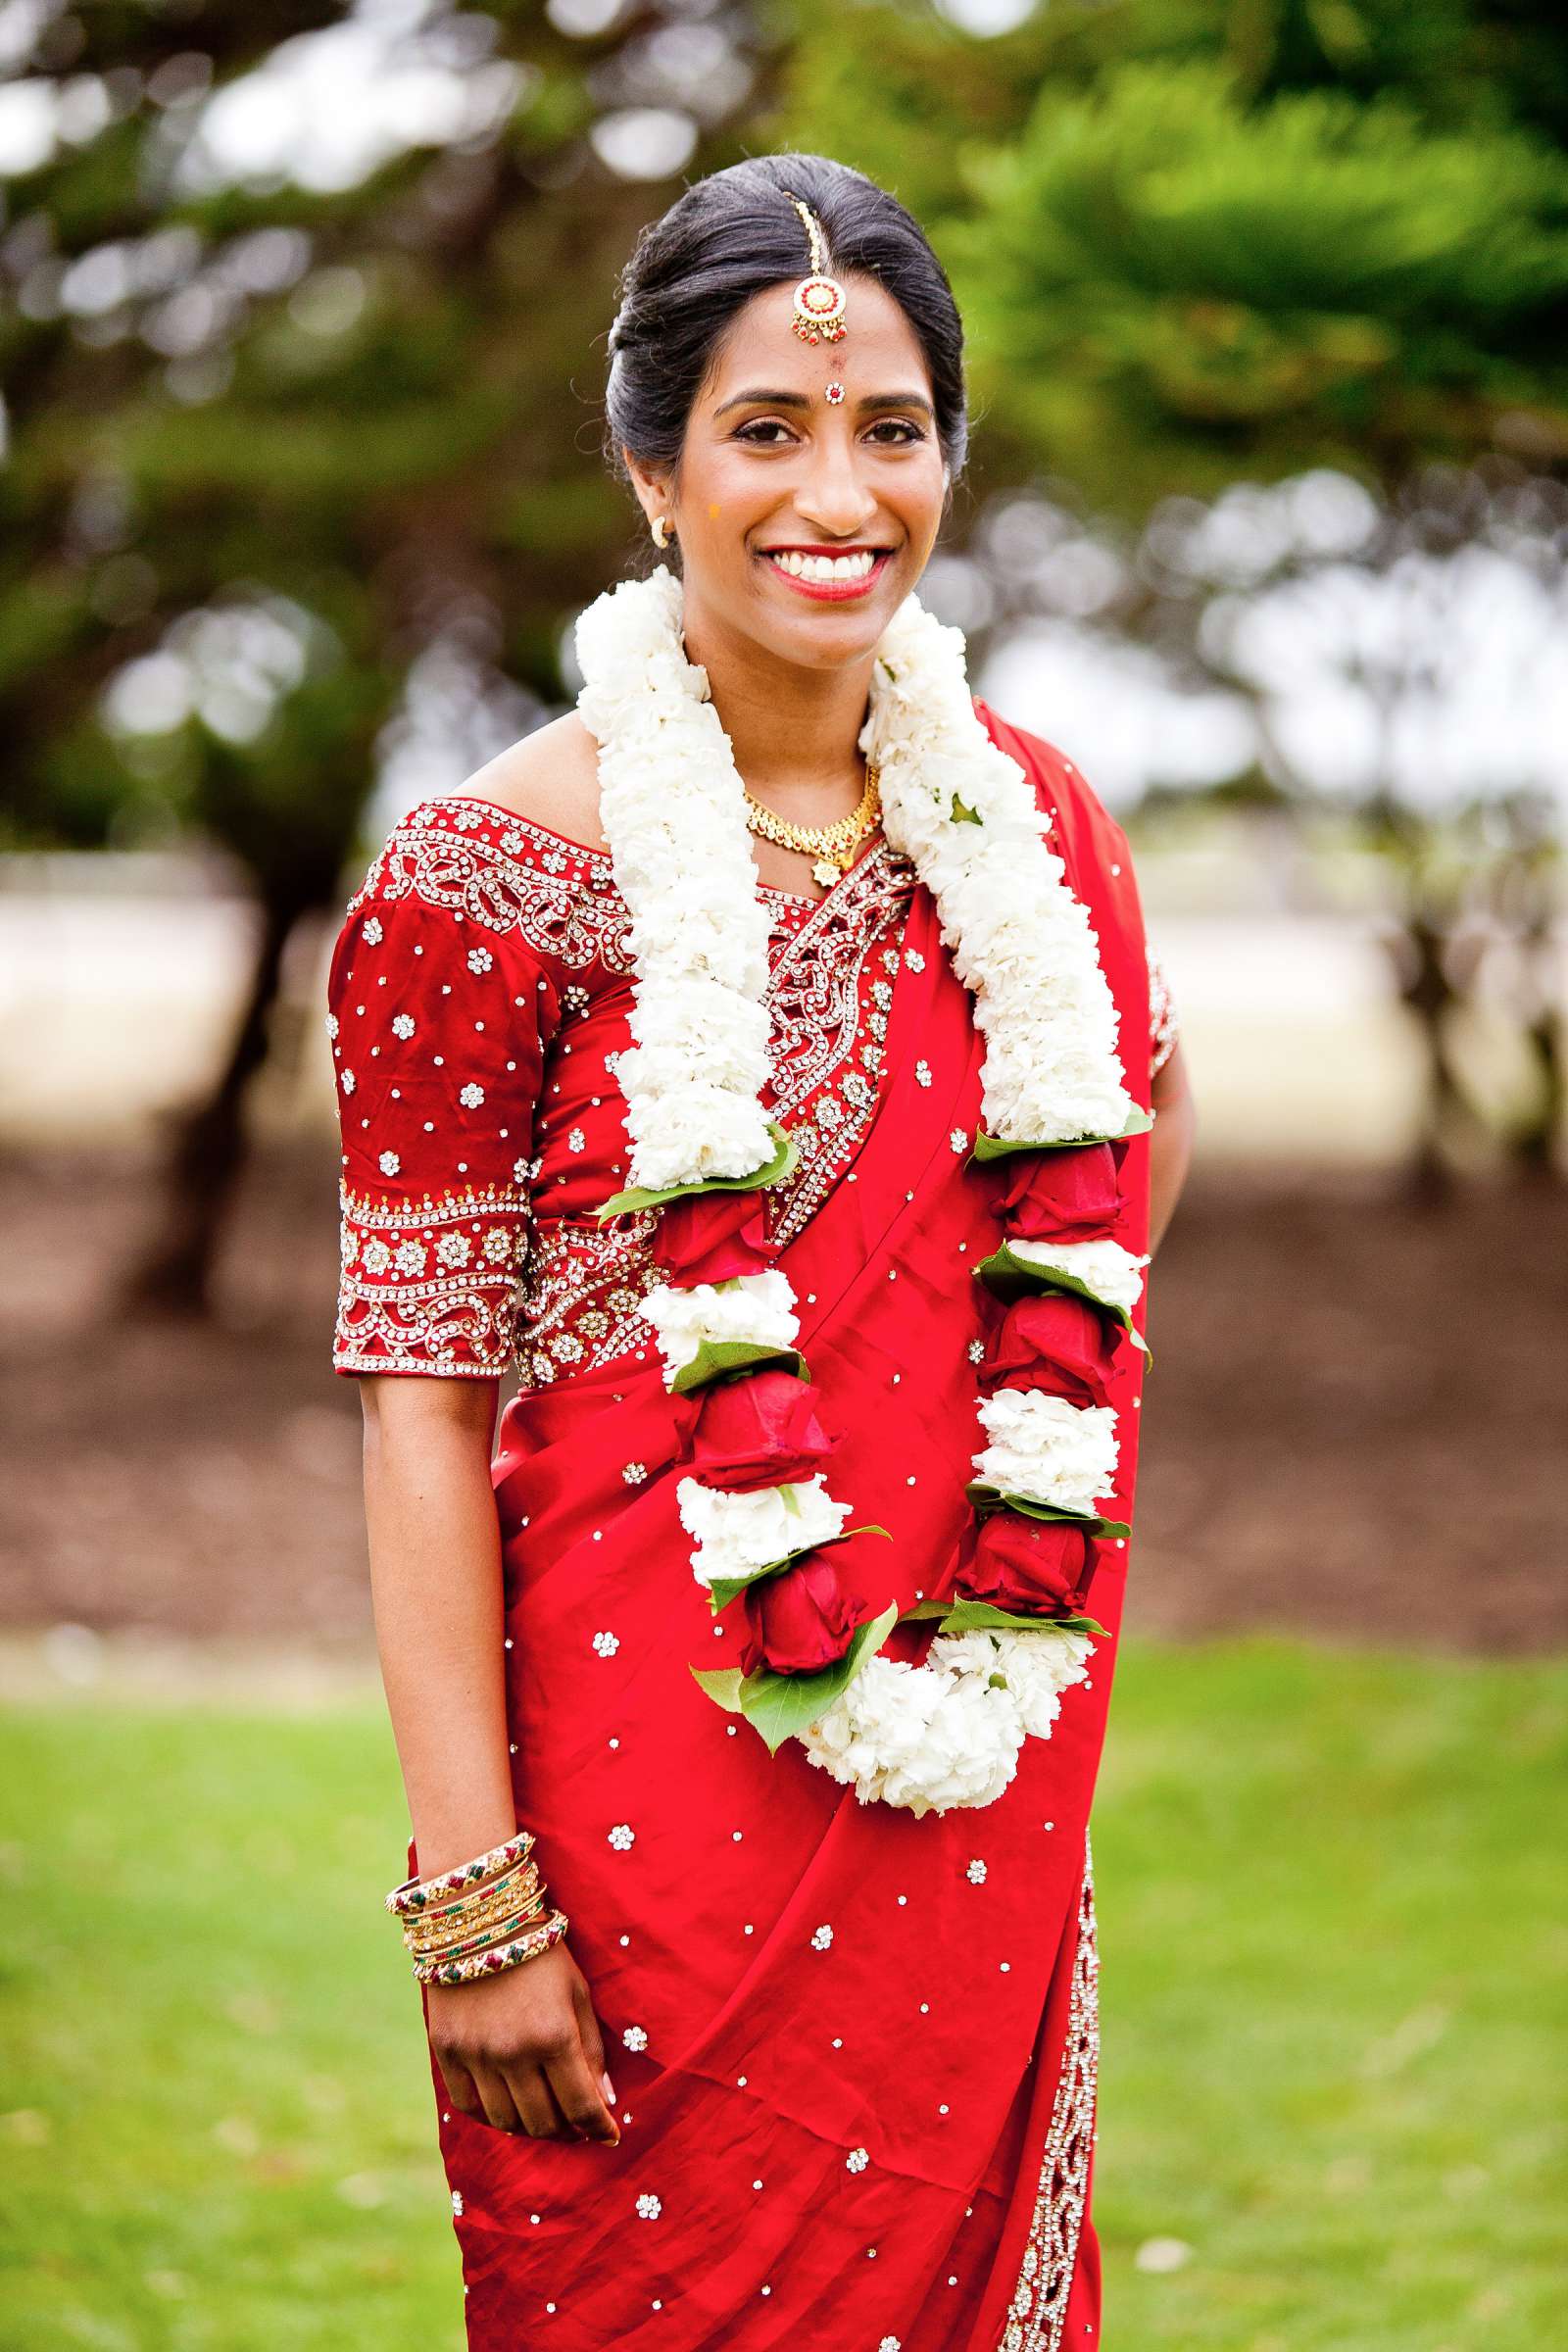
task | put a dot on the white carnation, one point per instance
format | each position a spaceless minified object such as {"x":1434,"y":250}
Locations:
{"x":921,"y":1737}
{"x":947,"y":1733}
{"x":689,"y":1134}
{"x":1105,"y":1268}
{"x":972,"y":1652}
{"x":739,"y":1533}
{"x":683,"y":860}
{"x":1048,"y":1450}
{"x":760,"y":1308}
{"x":1038,"y":1667}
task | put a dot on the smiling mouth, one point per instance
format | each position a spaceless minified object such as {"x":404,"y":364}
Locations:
{"x":855,"y":568}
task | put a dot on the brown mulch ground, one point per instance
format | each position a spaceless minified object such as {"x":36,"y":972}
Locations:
{"x":1355,"y":1424}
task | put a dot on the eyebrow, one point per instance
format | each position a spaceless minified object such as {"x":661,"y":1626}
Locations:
{"x":799,"y":400}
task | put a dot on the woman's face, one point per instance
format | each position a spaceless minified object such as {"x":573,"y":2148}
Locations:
{"x":773,"y":467}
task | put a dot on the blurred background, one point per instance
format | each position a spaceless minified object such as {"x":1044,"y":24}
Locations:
{"x":302,"y":328}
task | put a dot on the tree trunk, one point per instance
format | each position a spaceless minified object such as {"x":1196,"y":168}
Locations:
{"x":175,"y":1273}
{"x":1429,"y":993}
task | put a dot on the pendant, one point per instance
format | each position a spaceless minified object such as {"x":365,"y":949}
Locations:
{"x":826,"y":871}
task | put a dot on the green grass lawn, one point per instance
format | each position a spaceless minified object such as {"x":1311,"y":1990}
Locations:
{"x":1334,"y":1946}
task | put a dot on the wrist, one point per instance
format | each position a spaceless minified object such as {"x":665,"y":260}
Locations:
{"x":445,"y":1840}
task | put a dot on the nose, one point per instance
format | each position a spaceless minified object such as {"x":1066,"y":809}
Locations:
{"x":831,"y":494}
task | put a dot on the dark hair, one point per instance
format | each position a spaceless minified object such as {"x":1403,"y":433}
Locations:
{"x":729,"y":238}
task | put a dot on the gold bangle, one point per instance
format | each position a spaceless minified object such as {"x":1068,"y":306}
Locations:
{"x":417,"y":1894}
{"x":501,"y":1894}
{"x":489,"y":1963}
{"x":498,"y":1930}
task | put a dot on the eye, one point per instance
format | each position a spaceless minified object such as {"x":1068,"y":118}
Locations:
{"x":904,"y":426}
{"x":760,"y":425}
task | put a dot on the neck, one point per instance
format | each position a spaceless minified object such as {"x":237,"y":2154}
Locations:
{"x":792,"y":729}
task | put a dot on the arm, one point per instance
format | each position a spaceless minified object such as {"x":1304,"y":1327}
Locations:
{"x":1170,"y":1144}
{"x":439,"y":1021}
{"x":435,"y":1585}
{"x":522,"y":2049}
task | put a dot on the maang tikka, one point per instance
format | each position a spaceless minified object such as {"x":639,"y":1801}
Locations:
{"x":819,"y":301}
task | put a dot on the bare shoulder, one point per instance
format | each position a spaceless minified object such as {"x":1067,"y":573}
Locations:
{"x":551,"y":777}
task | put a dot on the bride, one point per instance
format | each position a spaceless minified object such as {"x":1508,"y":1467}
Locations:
{"x":764,"y":1062}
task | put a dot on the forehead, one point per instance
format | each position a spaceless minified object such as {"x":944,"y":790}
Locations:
{"x":879,"y":351}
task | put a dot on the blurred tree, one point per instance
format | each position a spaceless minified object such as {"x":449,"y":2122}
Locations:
{"x":1401,"y":660}
{"x":1194,"y":244}
{"x":301,"y":352}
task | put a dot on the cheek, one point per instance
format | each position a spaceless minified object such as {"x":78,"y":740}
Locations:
{"x":922,"y":488}
{"x":721,"y":494}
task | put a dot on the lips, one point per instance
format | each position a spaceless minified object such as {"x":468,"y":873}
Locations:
{"x":828,"y":572}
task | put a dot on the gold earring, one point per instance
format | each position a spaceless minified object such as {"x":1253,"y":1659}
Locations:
{"x":659,"y":526}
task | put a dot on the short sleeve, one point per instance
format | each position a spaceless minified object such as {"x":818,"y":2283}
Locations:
{"x":1164,"y":1030}
{"x":437,"y":1020}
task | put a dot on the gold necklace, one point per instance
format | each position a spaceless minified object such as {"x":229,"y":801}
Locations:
{"x":833,"y":847}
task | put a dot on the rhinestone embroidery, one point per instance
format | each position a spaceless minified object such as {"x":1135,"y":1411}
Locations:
{"x":1038,"y":2313}
{"x":564,"y":906}
{"x":582,"y":1286}
{"x":454,"y":1262}
{"x":1162,"y":1029}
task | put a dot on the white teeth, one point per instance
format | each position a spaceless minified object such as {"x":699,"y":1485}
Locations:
{"x":827,"y":570}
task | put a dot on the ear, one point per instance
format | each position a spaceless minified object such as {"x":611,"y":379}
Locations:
{"x":653,"y":492}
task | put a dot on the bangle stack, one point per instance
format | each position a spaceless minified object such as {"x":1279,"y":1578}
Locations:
{"x":481,"y":1916}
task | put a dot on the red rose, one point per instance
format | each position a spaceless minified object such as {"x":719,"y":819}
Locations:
{"x":710,"y":1237}
{"x":1034,"y":1567}
{"x":1052,"y":1340}
{"x":1065,"y":1194}
{"x":804,"y":1617}
{"x":758,"y":1431}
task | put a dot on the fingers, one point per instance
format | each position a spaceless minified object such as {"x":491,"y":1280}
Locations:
{"x":578,"y":2091}
{"x":498,"y":2106}
{"x":460,"y":2088}
{"x":524,"y":2053}
{"x":593,"y":2041}
{"x":536,"y":2106}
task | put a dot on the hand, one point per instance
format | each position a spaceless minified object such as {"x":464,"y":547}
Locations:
{"x":522,"y":2050}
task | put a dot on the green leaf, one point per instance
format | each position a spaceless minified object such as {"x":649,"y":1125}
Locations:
{"x":970,"y":1616}
{"x":963,"y":813}
{"x":778,"y":1706}
{"x":726,"y":1589}
{"x":985,"y":1497}
{"x":722,"y":1685}
{"x":719,"y":1359}
{"x":786,"y":1152}
{"x":1008,"y":1274}
{"x":997,"y":1147}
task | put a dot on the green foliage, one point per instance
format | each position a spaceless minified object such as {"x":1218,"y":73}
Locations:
{"x":1166,"y":287}
{"x":371,"y":399}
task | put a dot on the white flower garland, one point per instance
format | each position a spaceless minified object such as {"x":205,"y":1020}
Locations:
{"x":947,"y":1731}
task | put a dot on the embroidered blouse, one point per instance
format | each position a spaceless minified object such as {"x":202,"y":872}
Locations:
{"x":479,"y":992}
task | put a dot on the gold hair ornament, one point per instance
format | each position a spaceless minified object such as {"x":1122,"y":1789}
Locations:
{"x":819,"y":300}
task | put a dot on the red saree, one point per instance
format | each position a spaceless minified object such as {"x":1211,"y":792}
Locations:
{"x":855,"y":2052}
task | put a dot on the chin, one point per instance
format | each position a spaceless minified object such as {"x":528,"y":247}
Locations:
{"x":824,"y":636}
